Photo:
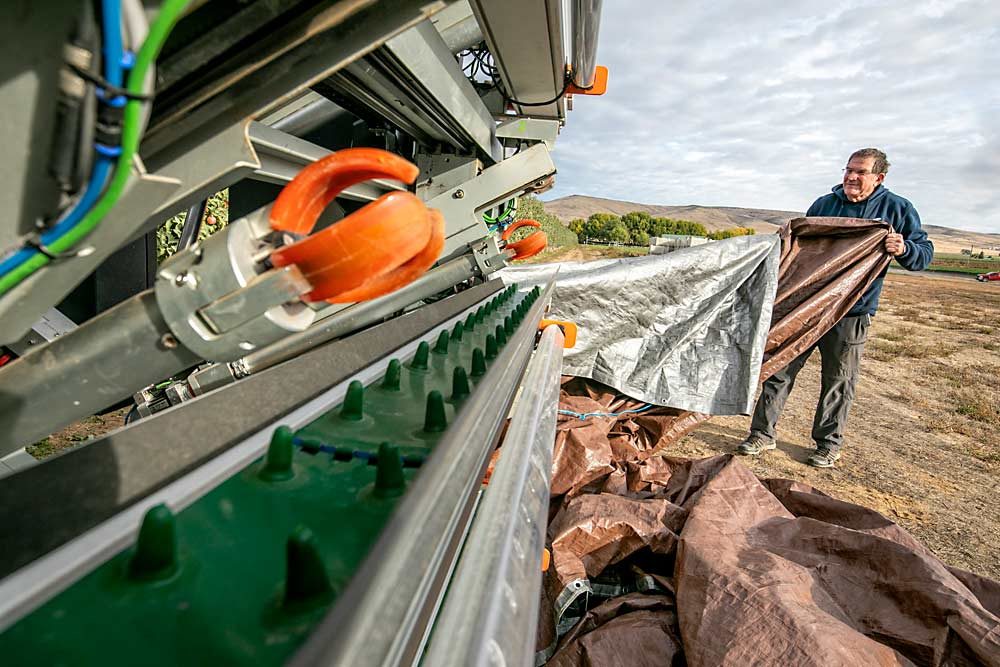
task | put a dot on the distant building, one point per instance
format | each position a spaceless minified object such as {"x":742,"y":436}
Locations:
{"x":661,"y":245}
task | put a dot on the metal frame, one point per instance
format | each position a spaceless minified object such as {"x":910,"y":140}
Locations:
{"x":384,"y":615}
{"x":499,"y":577}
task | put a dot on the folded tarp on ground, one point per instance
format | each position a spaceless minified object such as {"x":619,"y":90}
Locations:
{"x":663,"y":561}
{"x":701,"y":563}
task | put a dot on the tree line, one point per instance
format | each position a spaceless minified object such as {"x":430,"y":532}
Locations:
{"x":636,"y":227}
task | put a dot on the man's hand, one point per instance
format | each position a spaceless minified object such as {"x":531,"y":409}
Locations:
{"x":895,"y":245}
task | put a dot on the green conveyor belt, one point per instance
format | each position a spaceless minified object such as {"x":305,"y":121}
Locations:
{"x":243,"y":574}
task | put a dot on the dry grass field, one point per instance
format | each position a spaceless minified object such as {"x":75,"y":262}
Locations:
{"x":923,"y":442}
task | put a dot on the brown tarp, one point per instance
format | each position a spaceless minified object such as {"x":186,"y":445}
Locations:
{"x":826,"y":264}
{"x":662,"y":561}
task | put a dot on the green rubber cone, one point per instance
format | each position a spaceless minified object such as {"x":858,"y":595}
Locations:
{"x":391,"y":380}
{"x":305,"y":574}
{"x":353,"y":408}
{"x":389,"y":481}
{"x":156,"y":547}
{"x":278,"y":461}
{"x":435,"y":420}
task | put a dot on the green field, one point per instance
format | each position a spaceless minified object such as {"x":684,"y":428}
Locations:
{"x":955,"y":263}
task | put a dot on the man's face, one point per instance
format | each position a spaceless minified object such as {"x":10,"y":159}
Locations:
{"x":859,"y":181}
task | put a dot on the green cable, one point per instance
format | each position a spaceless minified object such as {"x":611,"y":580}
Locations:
{"x":158,"y":32}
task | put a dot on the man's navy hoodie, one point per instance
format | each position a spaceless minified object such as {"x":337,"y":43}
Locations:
{"x":891,"y":208}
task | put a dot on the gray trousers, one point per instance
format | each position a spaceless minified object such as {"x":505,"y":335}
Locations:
{"x":840,"y":349}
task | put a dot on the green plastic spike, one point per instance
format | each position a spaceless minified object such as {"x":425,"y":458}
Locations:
{"x":500,"y":335}
{"x":460,"y":384}
{"x":478,"y":363}
{"x":305,"y":575}
{"x":441,"y":347}
{"x":421,"y":356}
{"x":278,"y":462}
{"x":456,"y":333}
{"x":389,"y":481}
{"x":156,"y":548}
{"x":354,"y":402}
{"x":435,"y":420}
{"x":392,"y":372}
{"x":470,"y":322}
{"x":508,"y":325}
{"x":491,"y":347}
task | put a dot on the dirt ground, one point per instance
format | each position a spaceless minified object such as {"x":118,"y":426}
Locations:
{"x":923,"y":442}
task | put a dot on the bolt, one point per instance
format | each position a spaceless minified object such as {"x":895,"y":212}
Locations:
{"x":169,"y":341}
{"x":180,"y":278}
{"x":458,"y":194}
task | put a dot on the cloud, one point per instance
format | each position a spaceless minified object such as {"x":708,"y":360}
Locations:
{"x":743,"y":103}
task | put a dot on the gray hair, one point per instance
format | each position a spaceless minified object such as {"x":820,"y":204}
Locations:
{"x":881,"y":165}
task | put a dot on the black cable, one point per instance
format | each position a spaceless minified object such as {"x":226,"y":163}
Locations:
{"x":110,"y":91}
{"x":192,"y":225}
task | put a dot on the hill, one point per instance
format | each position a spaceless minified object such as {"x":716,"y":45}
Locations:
{"x":764,"y":221}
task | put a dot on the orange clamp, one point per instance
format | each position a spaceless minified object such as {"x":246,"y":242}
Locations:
{"x":568,"y":329}
{"x":530,"y":245}
{"x":373,"y":251}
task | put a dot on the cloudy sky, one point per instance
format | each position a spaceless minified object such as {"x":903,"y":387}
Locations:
{"x":759,"y":103}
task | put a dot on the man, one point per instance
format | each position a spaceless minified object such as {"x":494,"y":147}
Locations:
{"x":861,"y":195}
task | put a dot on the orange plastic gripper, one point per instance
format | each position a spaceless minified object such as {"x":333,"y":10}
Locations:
{"x":373,"y":251}
{"x":530,"y":245}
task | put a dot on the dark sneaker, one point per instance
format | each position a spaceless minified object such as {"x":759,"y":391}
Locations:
{"x":755,"y":444}
{"x":823,"y":458}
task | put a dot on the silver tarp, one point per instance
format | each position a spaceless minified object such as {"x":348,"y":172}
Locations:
{"x":685,"y":330}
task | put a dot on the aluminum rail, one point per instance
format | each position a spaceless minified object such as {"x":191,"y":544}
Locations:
{"x":586,"y":27}
{"x":491,"y":610}
{"x":78,"y":374}
{"x":358,"y":316}
{"x":384,"y":615}
{"x":338,"y":324}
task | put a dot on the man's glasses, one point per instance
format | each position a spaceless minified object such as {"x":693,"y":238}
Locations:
{"x":857,"y":172}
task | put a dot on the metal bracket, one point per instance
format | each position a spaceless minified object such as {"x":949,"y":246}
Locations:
{"x":221,"y":303}
{"x":518,"y":130}
{"x":461,"y":205}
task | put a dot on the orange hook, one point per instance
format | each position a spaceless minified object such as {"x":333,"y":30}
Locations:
{"x":530,"y":245}
{"x":373,"y":251}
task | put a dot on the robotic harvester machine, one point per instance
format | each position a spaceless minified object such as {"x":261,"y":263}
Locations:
{"x":320,"y":386}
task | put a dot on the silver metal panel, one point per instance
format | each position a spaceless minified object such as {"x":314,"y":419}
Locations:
{"x":490,"y":614}
{"x":52,"y":325}
{"x":282,"y":156}
{"x":529,"y":130}
{"x":527,"y":43}
{"x":431,"y":65}
{"x":458,"y":26}
{"x":23,"y":305}
{"x":312,"y":46}
{"x":31,"y":55}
